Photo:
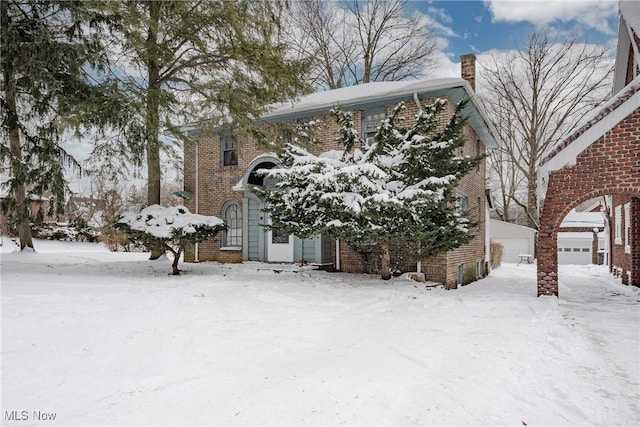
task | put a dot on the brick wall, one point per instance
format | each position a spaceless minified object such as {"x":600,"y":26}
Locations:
{"x":444,"y":267}
{"x":621,"y":260}
{"x":610,"y":166}
{"x":216,"y":188}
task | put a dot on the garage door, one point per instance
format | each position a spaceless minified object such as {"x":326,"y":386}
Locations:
{"x":574,"y":253}
{"x":513,"y":247}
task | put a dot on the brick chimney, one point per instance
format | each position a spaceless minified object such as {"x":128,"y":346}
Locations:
{"x":468,"y":69}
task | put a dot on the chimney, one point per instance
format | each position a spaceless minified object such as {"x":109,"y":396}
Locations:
{"x":468,"y":69}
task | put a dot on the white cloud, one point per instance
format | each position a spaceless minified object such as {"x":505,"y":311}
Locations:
{"x":592,"y":13}
{"x":441,"y":14}
{"x":444,"y":67}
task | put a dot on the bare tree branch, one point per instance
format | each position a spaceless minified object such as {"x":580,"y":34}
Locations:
{"x":537,"y":96}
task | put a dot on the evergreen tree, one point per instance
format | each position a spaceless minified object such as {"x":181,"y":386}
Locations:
{"x":397,"y":189}
{"x":190,"y":60}
{"x":48,"y":52}
{"x":169,"y":228}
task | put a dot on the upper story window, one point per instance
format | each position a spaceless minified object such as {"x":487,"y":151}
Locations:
{"x":462,"y":203}
{"x":229,"y":146}
{"x":285,"y":136}
{"x":232,"y":216}
{"x":371,"y":120}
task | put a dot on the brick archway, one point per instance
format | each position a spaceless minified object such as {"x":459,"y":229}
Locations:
{"x":610,"y":166}
{"x":556,"y":208}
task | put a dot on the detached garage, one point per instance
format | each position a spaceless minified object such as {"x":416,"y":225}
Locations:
{"x":516,"y":239}
{"x":575,"y":248}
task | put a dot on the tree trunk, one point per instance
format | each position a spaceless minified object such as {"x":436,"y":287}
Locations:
{"x":532,"y":197}
{"x":385,"y":267}
{"x":21,"y":208}
{"x":174,"y":265}
{"x":153,"y":114}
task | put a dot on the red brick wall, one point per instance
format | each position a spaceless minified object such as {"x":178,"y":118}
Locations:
{"x":622,"y":262}
{"x":215,"y":189}
{"x":611,"y":165}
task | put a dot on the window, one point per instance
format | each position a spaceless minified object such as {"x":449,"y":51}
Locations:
{"x":479,"y":269}
{"x":371,"y":120}
{"x":585,"y":249}
{"x":627,"y":228}
{"x":576,"y":249}
{"x":229,"y":154}
{"x":462,"y":203}
{"x":232,"y":216}
{"x":279,"y":236}
{"x":285,"y":136}
{"x":567,"y":249}
{"x":460,"y":278}
{"x":618,"y":222}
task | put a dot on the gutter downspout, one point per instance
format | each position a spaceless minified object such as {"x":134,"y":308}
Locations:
{"x":197,"y":258}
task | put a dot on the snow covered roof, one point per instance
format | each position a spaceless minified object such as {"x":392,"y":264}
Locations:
{"x":384,"y":93}
{"x":599,"y":123}
{"x":361,"y":94}
{"x":575,"y":235}
{"x":629,"y":25}
{"x":583,"y":219}
{"x":630,"y":9}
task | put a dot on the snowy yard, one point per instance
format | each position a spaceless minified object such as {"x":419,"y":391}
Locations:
{"x":100,"y":338}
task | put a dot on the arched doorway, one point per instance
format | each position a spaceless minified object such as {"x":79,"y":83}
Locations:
{"x":262,"y":243}
{"x":565,"y":192}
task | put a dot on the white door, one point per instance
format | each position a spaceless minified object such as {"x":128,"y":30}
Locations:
{"x":279,"y":246}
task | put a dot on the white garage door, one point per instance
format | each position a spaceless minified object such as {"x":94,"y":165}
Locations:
{"x":513,"y":247}
{"x":574,"y":253}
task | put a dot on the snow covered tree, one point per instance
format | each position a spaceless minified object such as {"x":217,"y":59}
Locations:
{"x":398,"y":189}
{"x":170,"y":228}
{"x":192,"y":61}
{"x":50,"y":52}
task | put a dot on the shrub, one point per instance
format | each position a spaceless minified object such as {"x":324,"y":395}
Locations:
{"x":496,"y":250}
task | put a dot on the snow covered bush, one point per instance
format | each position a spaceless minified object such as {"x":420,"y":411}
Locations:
{"x":398,"y":188}
{"x":170,"y":228}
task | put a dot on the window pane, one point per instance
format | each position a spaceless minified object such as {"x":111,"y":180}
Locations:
{"x":372,"y":119}
{"x":232,"y":217}
{"x":229,"y":156}
{"x":279,"y":236}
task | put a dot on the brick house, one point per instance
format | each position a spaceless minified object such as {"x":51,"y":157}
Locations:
{"x":38,"y":206}
{"x":601,"y":158}
{"x":220,"y":167}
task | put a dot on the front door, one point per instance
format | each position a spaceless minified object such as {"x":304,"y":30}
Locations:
{"x":279,"y":246}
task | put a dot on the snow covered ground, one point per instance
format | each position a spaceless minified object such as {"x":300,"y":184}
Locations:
{"x":100,"y":338}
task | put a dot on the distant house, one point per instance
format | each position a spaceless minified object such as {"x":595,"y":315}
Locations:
{"x":38,"y":208}
{"x":220,"y":169}
{"x":601,"y":158}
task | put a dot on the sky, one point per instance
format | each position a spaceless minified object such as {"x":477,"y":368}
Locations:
{"x":485,"y":27}
{"x":476,"y":26}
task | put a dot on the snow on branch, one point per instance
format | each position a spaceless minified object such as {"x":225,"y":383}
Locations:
{"x":170,"y":228}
